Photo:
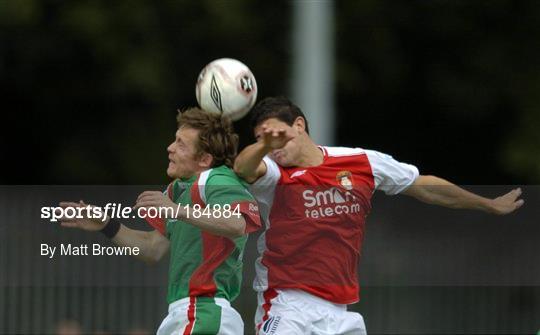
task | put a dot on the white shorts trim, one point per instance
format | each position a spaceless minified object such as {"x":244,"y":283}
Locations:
{"x":296,"y":312}
{"x":177,"y":320}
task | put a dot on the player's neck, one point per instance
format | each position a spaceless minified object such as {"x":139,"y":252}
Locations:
{"x":311,"y":155}
{"x":194,"y":174}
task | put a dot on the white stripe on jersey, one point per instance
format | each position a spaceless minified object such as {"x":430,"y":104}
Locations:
{"x":263,"y":190}
{"x":343,"y":151}
{"x":202,"y":183}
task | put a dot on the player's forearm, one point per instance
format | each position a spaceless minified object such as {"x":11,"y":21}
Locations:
{"x":231,"y":227}
{"x":150,"y":250}
{"x":437,"y":191}
{"x":247,"y":161}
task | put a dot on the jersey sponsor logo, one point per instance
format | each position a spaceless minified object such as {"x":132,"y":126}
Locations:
{"x":253,"y":207}
{"x":327,"y":197}
{"x":331,"y":202}
{"x":270,"y":326}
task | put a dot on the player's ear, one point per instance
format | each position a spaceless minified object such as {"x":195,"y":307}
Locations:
{"x":206,"y":160}
{"x":300,"y":124}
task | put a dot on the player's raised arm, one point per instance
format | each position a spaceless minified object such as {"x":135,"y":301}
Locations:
{"x":438,"y":191}
{"x":152,"y":245}
{"x":249,"y":164}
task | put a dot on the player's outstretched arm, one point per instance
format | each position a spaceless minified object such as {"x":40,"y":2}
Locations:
{"x":437,"y":191}
{"x":249,"y":164}
{"x":152,"y":245}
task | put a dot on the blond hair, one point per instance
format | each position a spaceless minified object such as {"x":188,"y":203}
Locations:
{"x":216,"y":134}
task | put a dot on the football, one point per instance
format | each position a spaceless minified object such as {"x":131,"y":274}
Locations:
{"x":226,"y":86}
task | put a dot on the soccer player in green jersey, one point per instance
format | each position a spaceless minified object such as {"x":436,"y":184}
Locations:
{"x":206,"y":235}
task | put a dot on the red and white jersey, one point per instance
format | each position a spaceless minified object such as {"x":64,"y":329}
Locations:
{"x":314,"y":220}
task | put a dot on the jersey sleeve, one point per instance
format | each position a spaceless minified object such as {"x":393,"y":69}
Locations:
{"x":264,"y":188}
{"x":227,"y":190}
{"x":272,"y":175}
{"x":391,"y":176}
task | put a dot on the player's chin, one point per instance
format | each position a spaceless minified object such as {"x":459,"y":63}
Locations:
{"x":171,"y":172}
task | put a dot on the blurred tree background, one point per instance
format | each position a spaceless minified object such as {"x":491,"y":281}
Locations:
{"x":91,"y":88}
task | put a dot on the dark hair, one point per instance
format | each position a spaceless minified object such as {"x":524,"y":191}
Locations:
{"x":280,"y":108}
{"x":216,"y":134}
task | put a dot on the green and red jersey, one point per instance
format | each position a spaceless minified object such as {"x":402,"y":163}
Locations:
{"x":201,"y":263}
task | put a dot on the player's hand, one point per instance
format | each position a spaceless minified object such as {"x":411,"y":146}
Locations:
{"x":84,"y":223}
{"x":507,"y":203}
{"x":166,"y":207}
{"x":276,"y":137}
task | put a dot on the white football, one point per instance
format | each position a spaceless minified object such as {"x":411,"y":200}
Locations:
{"x":226,"y":86}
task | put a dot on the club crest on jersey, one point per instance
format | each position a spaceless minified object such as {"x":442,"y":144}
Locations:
{"x":344,"y":178}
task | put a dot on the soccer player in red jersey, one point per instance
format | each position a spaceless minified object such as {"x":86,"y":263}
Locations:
{"x":314,"y":201}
